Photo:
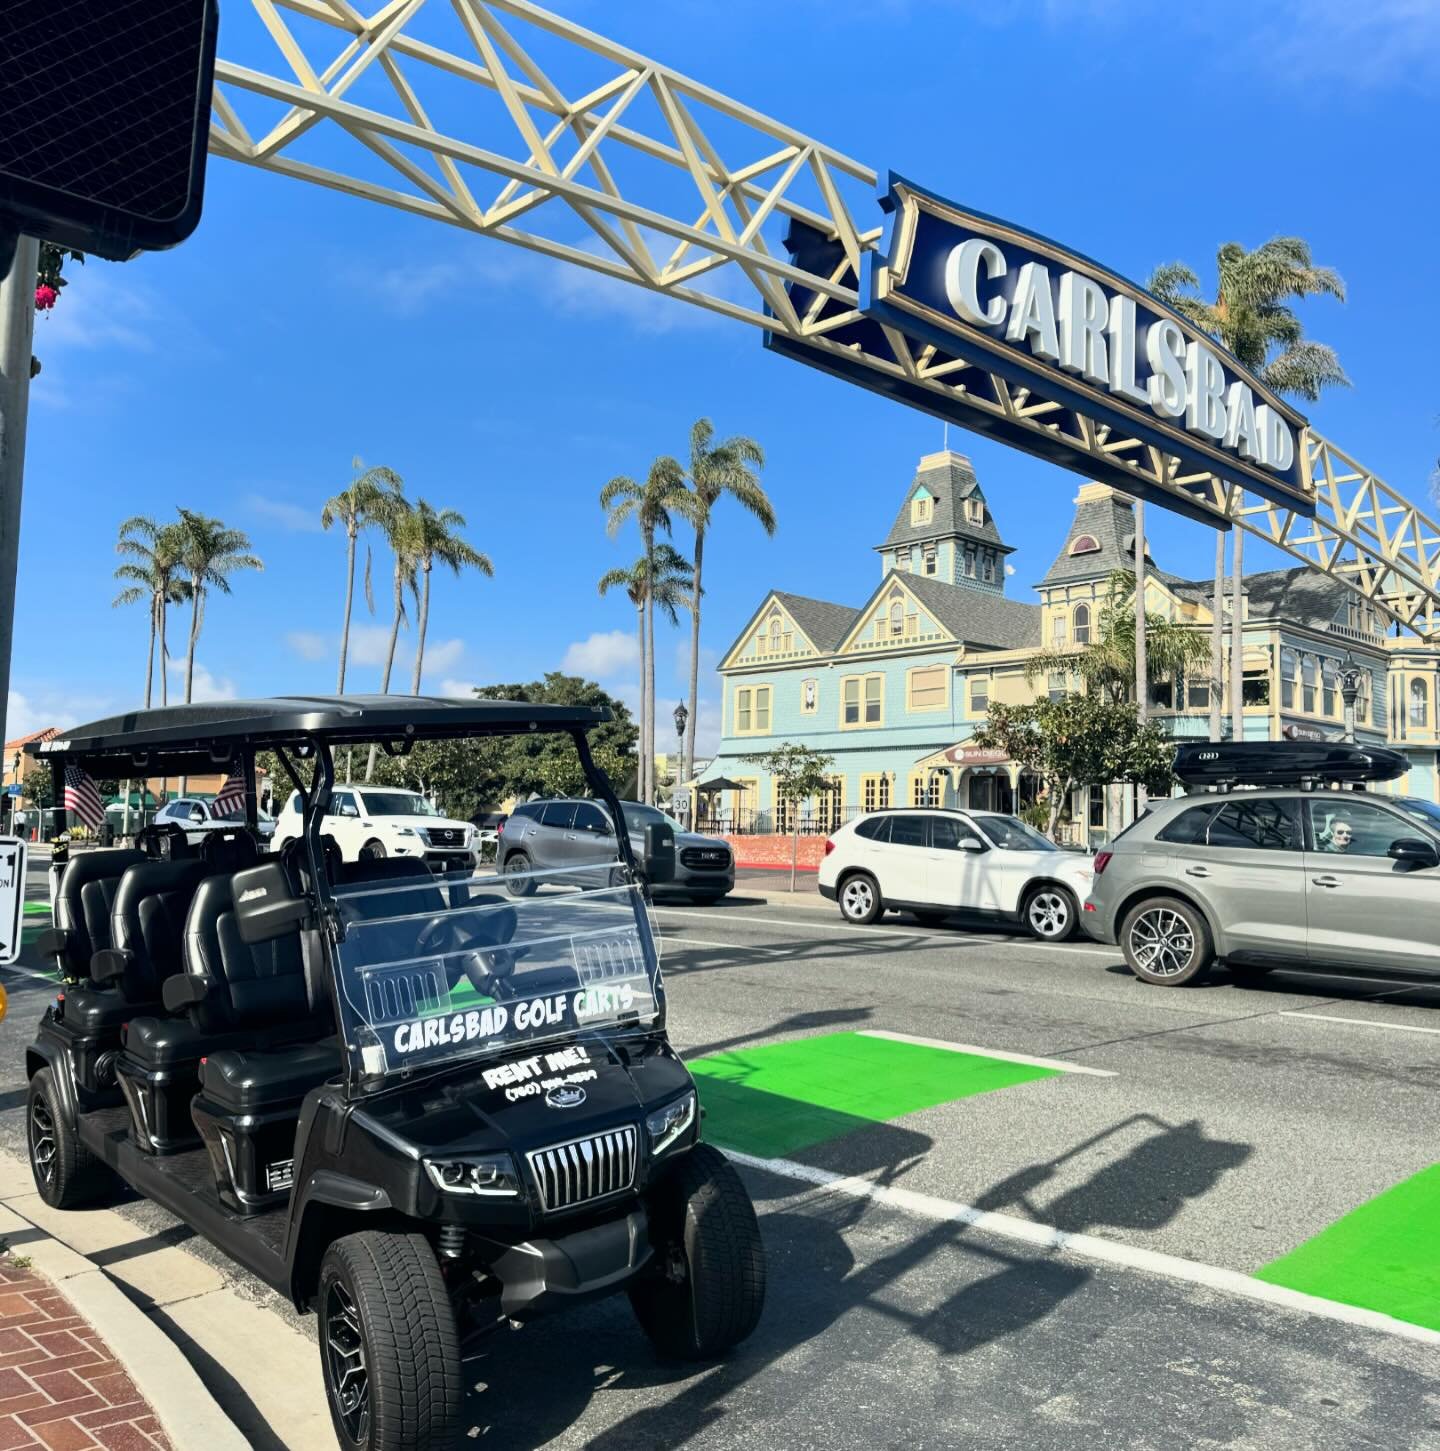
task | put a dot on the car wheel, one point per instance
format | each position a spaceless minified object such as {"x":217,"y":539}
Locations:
{"x":516,"y":882}
{"x":1049,"y":913}
{"x":373,"y":851}
{"x":1167,"y":942}
{"x":388,"y":1348}
{"x":706,"y":1290}
{"x":66,"y":1173}
{"x":930,"y":919}
{"x":860,"y":899}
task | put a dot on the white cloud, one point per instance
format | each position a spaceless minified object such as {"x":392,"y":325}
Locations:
{"x":41,"y":705}
{"x":602,"y":655}
{"x":368,"y":644}
{"x":443,"y":654}
{"x":289,"y":516}
{"x":204,"y":685}
{"x":1010,"y":568}
{"x":464,"y":689}
{"x":308,"y":646}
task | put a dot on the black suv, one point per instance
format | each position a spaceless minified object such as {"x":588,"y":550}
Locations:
{"x":408,"y":1101}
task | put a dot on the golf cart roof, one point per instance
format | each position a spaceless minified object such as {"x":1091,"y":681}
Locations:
{"x":178,"y":739}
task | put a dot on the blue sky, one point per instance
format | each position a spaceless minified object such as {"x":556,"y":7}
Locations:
{"x":241,"y":372}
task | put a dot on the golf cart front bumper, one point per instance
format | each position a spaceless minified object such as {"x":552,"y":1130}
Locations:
{"x":539,"y":1275}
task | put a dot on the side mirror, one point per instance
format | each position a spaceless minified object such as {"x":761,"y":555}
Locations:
{"x":1413,"y":851}
{"x":266,"y":906}
{"x":968,"y":843}
{"x":659,"y":861}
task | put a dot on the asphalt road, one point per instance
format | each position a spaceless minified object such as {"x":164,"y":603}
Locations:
{"x":1237,"y":1122}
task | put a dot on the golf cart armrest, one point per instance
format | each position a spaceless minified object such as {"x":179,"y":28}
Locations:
{"x":110,"y":963}
{"x":185,"y":990}
{"x":53,"y":942}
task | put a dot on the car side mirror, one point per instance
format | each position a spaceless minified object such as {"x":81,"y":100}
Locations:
{"x":968,"y":843}
{"x":1414,"y":851}
{"x":659,"y":852}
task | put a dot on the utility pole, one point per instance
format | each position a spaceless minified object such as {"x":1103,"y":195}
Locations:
{"x":17,"y":334}
{"x":1217,"y":640}
{"x":1142,"y":673}
{"x":1237,"y":644}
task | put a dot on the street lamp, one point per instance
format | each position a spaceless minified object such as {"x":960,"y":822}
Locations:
{"x":681,"y":717}
{"x":1349,"y":688}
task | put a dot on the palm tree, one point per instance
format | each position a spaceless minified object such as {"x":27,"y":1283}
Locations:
{"x":356,"y":508}
{"x":433,"y":536}
{"x":1108,"y":663}
{"x":660,"y":579}
{"x":396,"y":519}
{"x":716,"y":469}
{"x":651,"y":505}
{"x":1251,"y":316}
{"x":153,"y":551}
{"x":209,"y":554}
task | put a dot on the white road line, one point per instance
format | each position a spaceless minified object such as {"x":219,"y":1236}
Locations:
{"x":1056,"y":1063}
{"x":1085,"y":1246}
{"x":668,"y":937}
{"x":1359,"y":1022}
{"x":46,"y":978}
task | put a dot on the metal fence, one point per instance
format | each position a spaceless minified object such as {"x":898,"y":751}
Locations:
{"x":777,"y":820}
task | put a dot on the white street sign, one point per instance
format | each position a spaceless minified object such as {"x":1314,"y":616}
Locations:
{"x":12,"y":897}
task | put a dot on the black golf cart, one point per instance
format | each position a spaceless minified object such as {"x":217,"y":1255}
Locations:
{"x":412,"y":1102}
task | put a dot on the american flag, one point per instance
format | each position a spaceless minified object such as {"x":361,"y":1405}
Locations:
{"x":82,"y":797}
{"x":231,"y":800}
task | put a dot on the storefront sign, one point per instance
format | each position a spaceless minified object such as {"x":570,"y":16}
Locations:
{"x":1303,"y":733}
{"x":976,"y":756}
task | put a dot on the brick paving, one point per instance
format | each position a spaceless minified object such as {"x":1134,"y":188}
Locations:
{"x":61,"y":1388}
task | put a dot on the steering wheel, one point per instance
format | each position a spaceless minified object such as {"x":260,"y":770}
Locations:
{"x":479,"y":948}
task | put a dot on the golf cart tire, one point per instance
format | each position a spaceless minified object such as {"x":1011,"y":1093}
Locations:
{"x":709,"y":1288}
{"x":78,"y":1176}
{"x":412,"y":1351}
{"x":519,"y":861}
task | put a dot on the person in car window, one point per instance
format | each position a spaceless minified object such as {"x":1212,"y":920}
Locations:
{"x":1337,"y":835}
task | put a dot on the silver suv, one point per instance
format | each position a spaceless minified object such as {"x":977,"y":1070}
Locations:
{"x":567,"y":834}
{"x":1303,"y":875}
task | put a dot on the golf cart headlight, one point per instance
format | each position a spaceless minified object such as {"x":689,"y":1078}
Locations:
{"x":491,"y":1175}
{"x":669,"y":1124}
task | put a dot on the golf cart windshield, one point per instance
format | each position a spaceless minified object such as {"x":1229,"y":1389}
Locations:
{"x":432,"y":971}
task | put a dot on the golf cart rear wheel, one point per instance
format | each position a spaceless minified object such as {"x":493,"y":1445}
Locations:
{"x":516,"y":882}
{"x":1050,"y":914}
{"x":707,"y":1288}
{"x":67,"y":1174}
{"x":388,"y":1348}
{"x":1166,"y":941}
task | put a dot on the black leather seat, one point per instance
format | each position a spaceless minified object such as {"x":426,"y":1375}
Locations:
{"x":83,"y":908}
{"x":253,"y":1080}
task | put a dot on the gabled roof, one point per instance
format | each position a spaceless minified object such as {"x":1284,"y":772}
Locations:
{"x":973,"y":616}
{"x":1301,"y":596}
{"x":950,"y":478}
{"x":1108,"y":519}
{"x":824,"y":624}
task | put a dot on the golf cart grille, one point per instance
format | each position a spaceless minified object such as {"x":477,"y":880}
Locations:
{"x":585,"y":1169}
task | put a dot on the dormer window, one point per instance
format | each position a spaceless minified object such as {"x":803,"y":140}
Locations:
{"x":897,"y":617}
{"x":1085,"y":544}
{"x":974,"y":511}
{"x":922,"y":509}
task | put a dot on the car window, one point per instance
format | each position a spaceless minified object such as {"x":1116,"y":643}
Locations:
{"x":947,"y":832}
{"x":396,"y":803}
{"x":558,"y":813}
{"x":1264,"y":825}
{"x":1355,"y":828}
{"x":1188,"y":828}
{"x":589,"y":817}
{"x":527,"y":811}
{"x":196,"y":812}
{"x":1426,"y":811}
{"x":907,"y":831}
{"x":342,"y":803}
{"x":1009,"y":833}
{"x":874,"y":828}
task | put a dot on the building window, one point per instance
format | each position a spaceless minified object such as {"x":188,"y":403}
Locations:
{"x":1082,"y":624}
{"x":922,"y":509}
{"x":902,"y":562}
{"x":927,"y":787}
{"x":1289,"y":669}
{"x":1057,"y":630}
{"x":1364,"y":700}
{"x":989,"y":571}
{"x":925,"y":687}
{"x":1329,"y":686}
{"x":862,"y":700}
{"x":875,"y":791}
{"x":1419,"y":702}
{"x":897,"y":617}
{"x":830,"y":805}
{"x":1095,"y":814}
{"x":752,"y":710}
{"x":1162,"y":694}
{"x":809,"y":696}
{"x":1197,"y":693}
{"x":931,"y":561}
{"x":1085,"y":544}
{"x":969,"y":564}
{"x":974,"y":511}
{"x":1055,"y":684}
{"x":1256,"y":688}
{"x":980,"y":695}
{"x":1309,"y":675}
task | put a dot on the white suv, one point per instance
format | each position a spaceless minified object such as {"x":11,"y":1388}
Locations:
{"x":933,"y":862}
{"x":381,"y":821}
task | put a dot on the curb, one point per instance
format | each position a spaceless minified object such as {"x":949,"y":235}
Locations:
{"x":189,"y":1413}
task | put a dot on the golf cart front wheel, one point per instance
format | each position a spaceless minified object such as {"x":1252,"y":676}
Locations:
{"x":66,"y":1173}
{"x":706,"y":1290}
{"x":388,"y":1348}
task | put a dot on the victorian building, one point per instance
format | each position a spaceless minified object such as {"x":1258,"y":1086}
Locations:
{"x":894,"y":688}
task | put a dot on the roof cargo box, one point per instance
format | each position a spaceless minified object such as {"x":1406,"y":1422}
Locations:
{"x":1284,"y":763}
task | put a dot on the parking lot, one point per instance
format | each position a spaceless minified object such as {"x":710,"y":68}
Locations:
{"x":1133,"y":1156}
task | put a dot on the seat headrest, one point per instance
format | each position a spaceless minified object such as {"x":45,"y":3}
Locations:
{"x":165,"y":842}
{"x":296,"y":862}
{"x":230,"y":850}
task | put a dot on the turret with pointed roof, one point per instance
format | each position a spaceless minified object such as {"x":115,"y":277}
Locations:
{"x":945,"y":530}
{"x":1101,"y":538}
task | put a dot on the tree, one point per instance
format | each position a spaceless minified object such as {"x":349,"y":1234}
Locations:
{"x":798,"y":773}
{"x":38,"y":787}
{"x":651,"y":505}
{"x":209,"y":554}
{"x":395,"y":519}
{"x":153,"y":556}
{"x":1082,"y":740}
{"x":356,"y":508}
{"x":660,"y":578}
{"x":716,"y":469}
{"x":433,"y":535}
{"x":1108,"y":662}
